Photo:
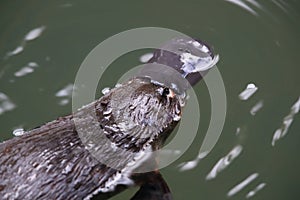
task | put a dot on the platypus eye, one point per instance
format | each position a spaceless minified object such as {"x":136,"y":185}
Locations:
{"x":168,"y":93}
{"x":165,"y":92}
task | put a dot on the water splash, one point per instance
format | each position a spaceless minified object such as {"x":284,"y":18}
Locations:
{"x":29,"y":68}
{"x":5,"y":103}
{"x":248,"y":92}
{"x":192,"y":63}
{"x":242,"y":185}
{"x":18,"y":132}
{"x":287,"y":121}
{"x":224,"y":162}
{"x":146,"y":57}
{"x":256,"y":107}
{"x":118,"y":85}
{"x":105,"y":90}
{"x":255,"y":190}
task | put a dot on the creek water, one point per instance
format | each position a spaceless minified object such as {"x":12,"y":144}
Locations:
{"x":44,"y":43}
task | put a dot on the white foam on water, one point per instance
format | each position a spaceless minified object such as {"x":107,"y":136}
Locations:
{"x":242,"y":185}
{"x":248,"y":92}
{"x":287,"y":121}
{"x":224,"y":162}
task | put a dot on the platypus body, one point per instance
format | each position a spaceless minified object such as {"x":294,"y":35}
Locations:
{"x":96,"y":152}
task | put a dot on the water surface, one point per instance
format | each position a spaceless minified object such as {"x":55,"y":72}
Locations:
{"x":43,"y":45}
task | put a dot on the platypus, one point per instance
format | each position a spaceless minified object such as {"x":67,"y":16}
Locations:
{"x":96,"y":152}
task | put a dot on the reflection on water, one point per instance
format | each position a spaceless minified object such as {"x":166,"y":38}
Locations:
{"x":5,"y":103}
{"x":257,"y":189}
{"x":146,"y":57}
{"x":242,"y":185}
{"x":29,"y":68}
{"x":256,"y":107}
{"x":287,"y":121}
{"x":238,"y":130}
{"x":224,"y":162}
{"x":16,"y":51}
{"x":248,"y":92}
{"x":31,"y":35}
{"x":282,"y":5}
{"x":193,"y":163}
{"x":252,"y":47}
{"x":65,"y":94}
{"x":244,"y":5}
{"x":34,"y":33}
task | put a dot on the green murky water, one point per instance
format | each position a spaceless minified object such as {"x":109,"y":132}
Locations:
{"x":258,"y":42}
